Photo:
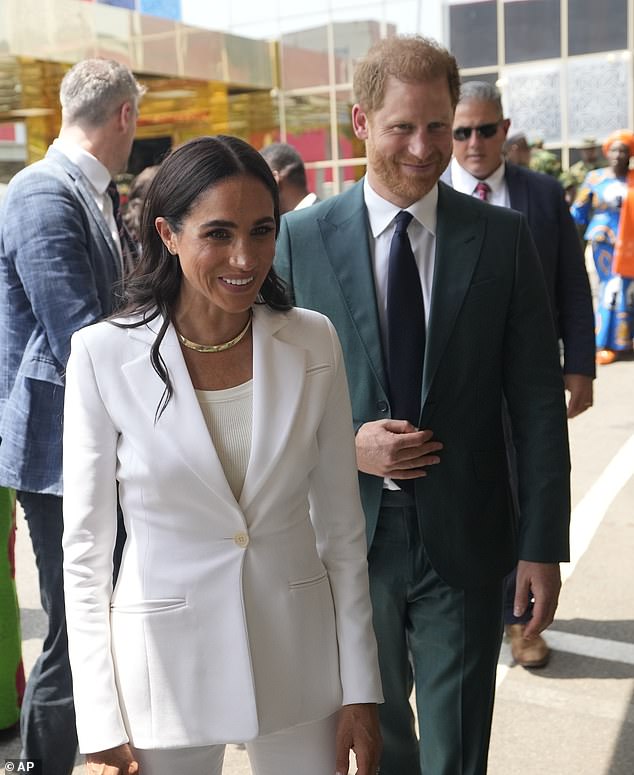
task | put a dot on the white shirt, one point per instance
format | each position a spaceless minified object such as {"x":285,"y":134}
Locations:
{"x":464,"y":182}
{"x":97,"y":176}
{"x":307,"y":201}
{"x":422,"y":236}
{"x":229,"y":417}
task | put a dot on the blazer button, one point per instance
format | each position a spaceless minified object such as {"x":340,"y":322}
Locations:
{"x":241,"y":539}
{"x":382,"y":406}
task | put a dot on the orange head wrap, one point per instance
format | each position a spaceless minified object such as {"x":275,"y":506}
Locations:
{"x":620,"y":136}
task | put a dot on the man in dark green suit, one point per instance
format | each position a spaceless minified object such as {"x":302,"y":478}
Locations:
{"x":442,"y":537}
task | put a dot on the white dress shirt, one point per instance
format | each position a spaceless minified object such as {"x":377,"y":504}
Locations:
{"x":97,"y":176}
{"x":464,"y":182}
{"x":422,"y":236}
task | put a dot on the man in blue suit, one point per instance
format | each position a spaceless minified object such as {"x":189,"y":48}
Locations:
{"x":478,"y":169}
{"x":429,"y":367}
{"x":62,"y":251}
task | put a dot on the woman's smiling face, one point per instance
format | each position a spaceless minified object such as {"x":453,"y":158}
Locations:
{"x":225,"y":245}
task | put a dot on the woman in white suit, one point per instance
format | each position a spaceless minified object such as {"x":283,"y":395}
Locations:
{"x":241,"y":610}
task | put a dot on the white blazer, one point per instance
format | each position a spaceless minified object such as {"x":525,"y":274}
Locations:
{"x":230,"y":619}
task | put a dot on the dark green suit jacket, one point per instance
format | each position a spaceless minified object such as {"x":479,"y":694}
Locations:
{"x":490,"y":337}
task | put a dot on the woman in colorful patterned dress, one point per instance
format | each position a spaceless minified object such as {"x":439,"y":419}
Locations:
{"x":605,"y":205}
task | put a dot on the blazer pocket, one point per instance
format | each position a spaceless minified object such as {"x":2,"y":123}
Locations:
{"x":482,"y":284}
{"x":318,"y":367}
{"x":42,"y":369}
{"x":309,"y":582}
{"x":150,"y":606}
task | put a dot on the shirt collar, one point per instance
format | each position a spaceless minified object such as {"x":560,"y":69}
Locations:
{"x":462,"y":180}
{"x":91,"y":167}
{"x":381,"y":213}
{"x":307,"y":201}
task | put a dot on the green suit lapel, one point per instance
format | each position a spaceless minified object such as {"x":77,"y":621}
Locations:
{"x":459,"y":236}
{"x":345,"y":232}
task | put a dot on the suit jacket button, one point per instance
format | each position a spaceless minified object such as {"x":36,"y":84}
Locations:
{"x":381,"y":406}
{"x":241,"y":539}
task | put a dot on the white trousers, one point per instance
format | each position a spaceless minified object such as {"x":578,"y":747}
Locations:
{"x":307,"y":748}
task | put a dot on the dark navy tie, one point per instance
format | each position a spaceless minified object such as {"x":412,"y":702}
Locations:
{"x":405,"y":325}
{"x":128,"y":248}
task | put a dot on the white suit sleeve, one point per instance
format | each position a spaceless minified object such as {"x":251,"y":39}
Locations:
{"x":90,"y":526}
{"x":339,"y":525}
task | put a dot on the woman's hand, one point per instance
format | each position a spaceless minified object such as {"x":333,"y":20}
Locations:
{"x":358,"y":730}
{"x":114,"y":761}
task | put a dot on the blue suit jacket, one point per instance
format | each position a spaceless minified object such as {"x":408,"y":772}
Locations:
{"x":541,"y":200}
{"x":58,"y":266}
{"x":490,"y":335}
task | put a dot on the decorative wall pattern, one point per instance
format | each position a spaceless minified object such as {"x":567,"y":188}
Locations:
{"x":598,"y":92}
{"x":532,"y":100}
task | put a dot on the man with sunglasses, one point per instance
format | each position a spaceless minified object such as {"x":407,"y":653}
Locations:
{"x":478,"y":168}
{"x":441,"y":309}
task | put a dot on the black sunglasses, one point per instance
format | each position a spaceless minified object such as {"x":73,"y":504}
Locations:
{"x":484,"y":130}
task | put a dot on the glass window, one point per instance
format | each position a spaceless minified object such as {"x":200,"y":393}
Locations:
{"x":532,"y":29}
{"x":594,"y":26}
{"x":473,"y":33}
{"x":307,"y":118}
{"x":349,"y":146}
{"x":352,"y":41}
{"x":304,"y":58}
{"x":168,"y":9}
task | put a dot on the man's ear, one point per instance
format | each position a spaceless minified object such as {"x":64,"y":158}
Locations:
{"x":126,"y":114}
{"x":506,"y":125}
{"x":360,"y":122}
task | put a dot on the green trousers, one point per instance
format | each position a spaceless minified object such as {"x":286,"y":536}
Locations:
{"x":11,"y":670}
{"x":441,"y":641}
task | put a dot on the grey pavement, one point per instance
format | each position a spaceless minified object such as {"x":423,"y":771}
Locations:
{"x":576,"y":716}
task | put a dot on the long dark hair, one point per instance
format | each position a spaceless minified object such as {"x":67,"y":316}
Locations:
{"x":152,"y":288}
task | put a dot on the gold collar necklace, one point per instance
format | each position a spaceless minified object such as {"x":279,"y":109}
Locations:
{"x":214,"y":348}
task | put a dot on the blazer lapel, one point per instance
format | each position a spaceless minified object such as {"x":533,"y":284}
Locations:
{"x":458,"y":243}
{"x":279,"y":373}
{"x":181,"y":427}
{"x":345,"y":232}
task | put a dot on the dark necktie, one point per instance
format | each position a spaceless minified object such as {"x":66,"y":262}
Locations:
{"x":405,"y":325}
{"x":129,"y":252}
{"x":482,"y":191}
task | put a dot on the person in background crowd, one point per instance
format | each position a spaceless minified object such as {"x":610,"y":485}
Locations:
{"x":241,"y":610}
{"x":590,"y":160}
{"x":62,"y":250}
{"x":517,"y":150}
{"x":544,"y":161}
{"x":478,"y":169}
{"x":137,"y":192}
{"x":290,"y":174}
{"x":441,"y":308}
{"x":605,"y":206}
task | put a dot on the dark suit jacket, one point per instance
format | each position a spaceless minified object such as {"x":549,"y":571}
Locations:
{"x":489,"y":335}
{"x":58,"y":266}
{"x":540,"y":199}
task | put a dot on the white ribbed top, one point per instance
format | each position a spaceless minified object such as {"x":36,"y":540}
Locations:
{"x":229,"y":416}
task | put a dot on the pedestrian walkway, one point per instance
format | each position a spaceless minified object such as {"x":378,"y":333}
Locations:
{"x":576,"y":716}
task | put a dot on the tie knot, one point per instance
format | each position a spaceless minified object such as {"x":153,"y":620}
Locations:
{"x":483,"y":190}
{"x":402,"y":221}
